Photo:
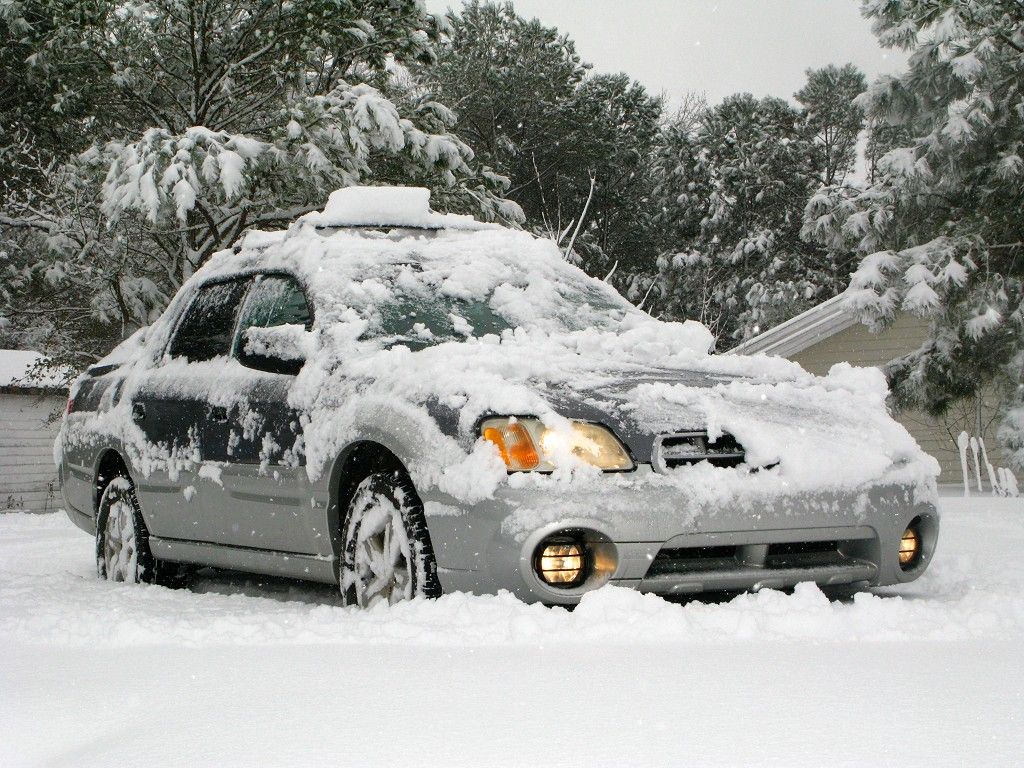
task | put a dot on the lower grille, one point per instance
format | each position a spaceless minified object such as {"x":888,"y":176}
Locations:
{"x":692,"y":560}
{"x":788,"y":555}
{"x":717,"y":566}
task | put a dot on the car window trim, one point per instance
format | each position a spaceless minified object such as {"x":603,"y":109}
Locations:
{"x":219,"y":280}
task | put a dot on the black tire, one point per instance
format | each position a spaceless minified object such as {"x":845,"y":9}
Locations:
{"x":383,"y":498}
{"x":122,"y":541}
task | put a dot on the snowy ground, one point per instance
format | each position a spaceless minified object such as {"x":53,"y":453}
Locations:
{"x":238,"y":672}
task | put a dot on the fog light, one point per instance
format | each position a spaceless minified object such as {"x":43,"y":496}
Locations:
{"x":561,"y":563}
{"x":910,"y":547}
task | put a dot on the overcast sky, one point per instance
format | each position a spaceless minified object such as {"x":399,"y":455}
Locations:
{"x":715,"y":46}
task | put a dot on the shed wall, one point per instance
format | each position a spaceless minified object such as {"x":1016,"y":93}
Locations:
{"x":28,"y":478}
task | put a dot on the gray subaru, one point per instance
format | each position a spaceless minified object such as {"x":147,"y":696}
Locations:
{"x":405,"y":403}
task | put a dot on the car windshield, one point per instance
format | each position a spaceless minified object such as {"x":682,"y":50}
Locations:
{"x":418,"y":323}
{"x":418,"y":313}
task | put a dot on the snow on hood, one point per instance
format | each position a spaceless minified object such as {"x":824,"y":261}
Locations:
{"x":823,"y":433}
{"x":495,"y":321}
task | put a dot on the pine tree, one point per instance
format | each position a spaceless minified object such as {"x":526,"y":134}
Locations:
{"x":613,"y":133}
{"x":940,"y":230}
{"x":209,"y":118}
{"x":833,"y":117}
{"x":731,"y":187}
{"x":568,"y":140}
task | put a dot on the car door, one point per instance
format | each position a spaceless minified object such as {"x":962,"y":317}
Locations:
{"x":263,"y":492}
{"x":172,"y":408}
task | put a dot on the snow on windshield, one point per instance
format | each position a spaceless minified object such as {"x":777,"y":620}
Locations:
{"x":427,"y":287}
{"x":420,"y":312}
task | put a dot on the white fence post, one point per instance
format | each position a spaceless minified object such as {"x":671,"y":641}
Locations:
{"x":1002,"y":481}
{"x":977,"y":464}
{"x":962,"y":442}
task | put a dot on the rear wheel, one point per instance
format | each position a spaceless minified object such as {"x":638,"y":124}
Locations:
{"x":122,"y":545}
{"x":122,"y":541}
{"x":387,"y":555}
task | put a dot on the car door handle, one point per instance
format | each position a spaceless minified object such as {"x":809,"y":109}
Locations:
{"x":219,"y":414}
{"x":138,"y":411}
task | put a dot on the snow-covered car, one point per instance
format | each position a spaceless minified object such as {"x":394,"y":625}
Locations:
{"x":407,"y":403}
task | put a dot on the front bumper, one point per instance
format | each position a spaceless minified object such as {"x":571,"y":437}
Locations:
{"x":654,"y":537}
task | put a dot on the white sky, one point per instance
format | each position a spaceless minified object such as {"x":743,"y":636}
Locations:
{"x":715,"y":46}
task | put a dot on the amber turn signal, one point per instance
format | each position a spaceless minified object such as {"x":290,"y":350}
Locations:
{"x":527,"y":444}
{"x":514,"y":443}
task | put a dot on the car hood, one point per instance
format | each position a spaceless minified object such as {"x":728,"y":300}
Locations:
{"x":613,"y":396}
{"x":819,"y":431}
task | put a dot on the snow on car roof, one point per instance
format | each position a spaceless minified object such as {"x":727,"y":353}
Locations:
{"x":369,"y":244}
{"x":386,"y":207}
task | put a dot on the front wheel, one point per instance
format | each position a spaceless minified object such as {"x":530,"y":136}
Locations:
{"x":387,"y":555}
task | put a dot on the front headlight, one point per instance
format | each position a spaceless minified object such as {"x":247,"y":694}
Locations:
{"x":526,"y":444}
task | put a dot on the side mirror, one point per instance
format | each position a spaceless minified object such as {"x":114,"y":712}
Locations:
{"x":278,"y":349}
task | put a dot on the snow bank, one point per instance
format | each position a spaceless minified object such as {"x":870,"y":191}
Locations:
{"x":933,"y":666}
{"x":974,"y":589}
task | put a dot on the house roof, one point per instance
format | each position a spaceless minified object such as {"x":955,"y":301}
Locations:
{"x":16,"y":366}
{"x":803,"y":331}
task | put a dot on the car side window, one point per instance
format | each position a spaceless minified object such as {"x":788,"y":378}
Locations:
{"x":275,"y":300}
{"x":207,"y":329}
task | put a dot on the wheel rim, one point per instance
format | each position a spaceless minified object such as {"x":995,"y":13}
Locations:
{"x":120,"y":556}
{"x":382,"y":555}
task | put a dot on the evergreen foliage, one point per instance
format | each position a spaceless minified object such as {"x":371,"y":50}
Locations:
{"x":833,"y":118}
{"x":205,"y":118}
{"x":526,"y":103}
{"x":940,"y":230}
{"x":731,"y":185}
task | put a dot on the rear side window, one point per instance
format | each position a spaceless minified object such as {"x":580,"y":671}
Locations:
{"x":208,"y":326}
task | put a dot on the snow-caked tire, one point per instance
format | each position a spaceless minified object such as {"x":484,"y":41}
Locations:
{"x":122,"y":541}
{"x":122,"y":544}
{"x":387,"y":554}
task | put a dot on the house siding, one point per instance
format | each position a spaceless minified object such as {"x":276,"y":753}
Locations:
{"x":859,"y":346}
{"x":28,"y":478}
